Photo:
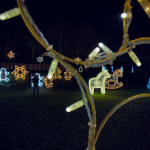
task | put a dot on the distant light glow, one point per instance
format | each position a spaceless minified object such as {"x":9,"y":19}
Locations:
{"x":3,"y":74}
{"x":123,"y":15}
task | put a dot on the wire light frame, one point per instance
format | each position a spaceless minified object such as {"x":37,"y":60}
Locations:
{"x":95,"y":59}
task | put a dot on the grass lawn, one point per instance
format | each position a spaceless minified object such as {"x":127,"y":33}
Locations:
{"x":30,"y":122}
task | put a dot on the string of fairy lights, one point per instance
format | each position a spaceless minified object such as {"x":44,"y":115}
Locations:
{"x":96,"y":58}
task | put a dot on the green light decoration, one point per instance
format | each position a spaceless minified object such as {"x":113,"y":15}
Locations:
{"x":97,"y":59}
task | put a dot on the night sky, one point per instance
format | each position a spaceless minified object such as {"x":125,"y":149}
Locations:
{"x":102,"y":17}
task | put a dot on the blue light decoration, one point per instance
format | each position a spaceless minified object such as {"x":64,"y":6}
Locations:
{"x":112,"y":69}
{"x":132,"y":69}
{"x":148,"y":85}
{"x":40,"y":80}
{"x":121,"y":68}
{"x":3,"y":74}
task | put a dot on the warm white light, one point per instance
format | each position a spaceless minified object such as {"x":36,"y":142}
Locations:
{"x":52,"y":69}
{"x":105,"y":48}
{"x":134,"y":58}
{"x":94,"y":52}
{"x":123,"y":15}
{"x":75,"y":106}
{"x":147,"y":8}
{"x":10,"y":14}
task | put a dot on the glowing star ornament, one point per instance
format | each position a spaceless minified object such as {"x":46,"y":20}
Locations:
{"x":99,"y":81}
{"x":3,"y":74}
{"x":48,"y":82}
{"x":57,"y":74}
{"x":67,"y":74}
{"x":39,"y":59}
{"x":40,"y":83}
{"x":11,"y":55}
{"x":20,"y":72}
{"x":112,"y":82}
{"x":77,"y":59}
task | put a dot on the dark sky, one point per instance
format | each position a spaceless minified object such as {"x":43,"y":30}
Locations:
{"x":103,"y":16}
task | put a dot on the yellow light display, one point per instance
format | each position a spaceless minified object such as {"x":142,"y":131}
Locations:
{"x":20,"y":72}
{"x":100,"y":59}
{"x":77,"y":59}
{"x":99,"y":81}
{"x":112,"y":82}
{"x":48,"y":82}
{"x":67,"y":74}
{"x":57,"y":74}
{"x":11,"y":55}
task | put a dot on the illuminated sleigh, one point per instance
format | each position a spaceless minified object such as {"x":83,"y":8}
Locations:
{"x":112,"y":82}
{"x":99,"y":81}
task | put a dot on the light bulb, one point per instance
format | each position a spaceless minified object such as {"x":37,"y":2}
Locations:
{"x":75,"y":106}
{"x":10,"y":14}
{"x":126,"y":15}
{"x":105,"y":48}
{"x":52,"y":69}
{"x":94,"y":52}
{"x":134,"y":58}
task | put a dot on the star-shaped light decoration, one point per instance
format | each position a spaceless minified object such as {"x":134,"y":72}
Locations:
{"x":20,"y":72}
{"x":11,"y":55}
{"x":39,"y":59}
{"x":77,"y":59}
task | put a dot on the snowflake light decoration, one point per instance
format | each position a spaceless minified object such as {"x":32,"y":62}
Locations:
{"x":11,"y":55}
{"x":20,"y":72}
{"x":39,"y":59}
{"x":3,"y":74}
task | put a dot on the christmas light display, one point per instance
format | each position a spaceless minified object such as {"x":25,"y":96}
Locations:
{"x":39,"y":59}
{"x":20,"y":72}
{"x":48,"y":82}
{"x":132,"y":69}
{"x":80,"y":69}
{"x":99,"y":81}
{"x":148,"y":85}
{"x":57,"y":74}
{"x":11,"y":55}
{"x":40,"y":83}
{"x":67,"y":74}
{"x":77,"y":59}
{"x":3,"y":75}
{"x":112,"y":82}
{"x":98,"y":59}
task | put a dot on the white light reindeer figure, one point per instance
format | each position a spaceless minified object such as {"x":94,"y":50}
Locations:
{"x":99,"y":81}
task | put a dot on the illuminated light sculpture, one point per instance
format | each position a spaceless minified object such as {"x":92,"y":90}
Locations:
{"x":99,"y":81}
{"x":3,"y":74}
{"x":67,"y":74}
{"x":39,"y":59}
{"x":80,"y":69}
{"x":132,"y":69}
{"x":48,"y":82}
{"x":20,"y":72}
{"x":112,"y":82}
{"x":121,"y":68}
{"x":11,"y":55}
{"x":57,"y":74}
{"x":99,"y":60}
{"x":77,"y":59}
{"x":148,"y":85}
{"x":112,"y":69}
{"x":40,"y":83}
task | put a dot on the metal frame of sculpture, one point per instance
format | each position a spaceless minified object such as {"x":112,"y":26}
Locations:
{"x":95,"y":60}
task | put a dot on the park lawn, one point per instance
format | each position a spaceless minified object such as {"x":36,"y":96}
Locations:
{"x":30,"y":122}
